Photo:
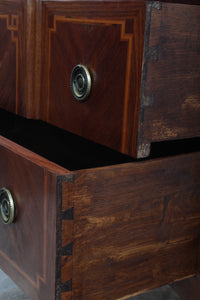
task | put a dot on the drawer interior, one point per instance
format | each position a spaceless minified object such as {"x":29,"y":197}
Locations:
{"x":74,"y":152}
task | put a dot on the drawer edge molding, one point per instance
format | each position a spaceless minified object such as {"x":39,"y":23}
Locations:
{"x":29,"y":155}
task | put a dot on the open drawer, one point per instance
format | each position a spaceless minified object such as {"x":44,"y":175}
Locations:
{"x":98,"y":232}
{"x":142,"y":56}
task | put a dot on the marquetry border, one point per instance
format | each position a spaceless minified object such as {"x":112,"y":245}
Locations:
{"x":39,"y":277}
{"x":12,"y":24}
{"x":125,"y":37}
{"x":135,"y":42}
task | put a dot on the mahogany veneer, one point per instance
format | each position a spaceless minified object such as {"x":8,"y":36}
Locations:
{"x":116,"y":230}
{"x":121,"y":43}
{"x":99,"y":233}
{"x":143,"y":58}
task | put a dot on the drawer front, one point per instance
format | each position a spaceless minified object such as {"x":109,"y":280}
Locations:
{"x":99,"y":233}
{"x":143,"y":59}
{"x":11,"y":31}
{"x":19,"y":57}
{"x":28,"y":245}
{"x":107,"y":38}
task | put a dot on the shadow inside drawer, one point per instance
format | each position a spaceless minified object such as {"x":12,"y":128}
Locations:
{"x":74,"y":152}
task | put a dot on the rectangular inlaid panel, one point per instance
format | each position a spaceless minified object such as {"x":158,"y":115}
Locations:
{"x":20,"y":57}
{"x":10,"y":49}
{"x":135,"y":227}
{"x":107,"y":38}
{"x":28,"y":246}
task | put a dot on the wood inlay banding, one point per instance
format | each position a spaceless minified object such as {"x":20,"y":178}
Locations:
{"x":39,"y":277}
{"x":127,"y":37}
{"x":114,"y":63}
{"x":12,"y":24}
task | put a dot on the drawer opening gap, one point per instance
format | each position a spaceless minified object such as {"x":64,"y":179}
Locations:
{"x":74,"y":152}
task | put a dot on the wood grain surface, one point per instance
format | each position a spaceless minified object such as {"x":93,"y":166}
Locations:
{"x":136,"y":226}
{"x":28,"y":246}
{"x":41,"y":42}
{"x":20,"y":41}
{"x":106,"y":37}
{"x":11,"y":16}
{"x":170,"y":95}
{"x":32,"y":59}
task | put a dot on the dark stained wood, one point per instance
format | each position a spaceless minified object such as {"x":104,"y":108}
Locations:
{"x":119,"y":230}
{"x":136,"y":226}
{"x":11,"y":31}
{"x":66,"y":243}
{"x":170,"y":96}
{"x":31,"y":156}
{"x":20,"y":41}
{"x":28,"y":247}
{"x":108,"y":232}
{"x":80,"y":32}
{"x":170,"y":91}
{"x":107,"y":37}
{"x":32,"y":60}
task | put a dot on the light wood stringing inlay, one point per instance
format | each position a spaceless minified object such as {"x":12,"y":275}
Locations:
{"x":127,"y":37}
{"x":13,"y":27}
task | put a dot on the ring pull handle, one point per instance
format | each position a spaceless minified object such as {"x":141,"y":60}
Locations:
{"x":80,"y":82}
{"x":7,"y":206}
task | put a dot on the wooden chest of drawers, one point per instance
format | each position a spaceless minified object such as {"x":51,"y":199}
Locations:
{"x":143,"y":58}
{"x":93,"y":222}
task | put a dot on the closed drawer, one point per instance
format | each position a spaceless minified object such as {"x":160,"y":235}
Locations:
{"x":19,"y":71}
{"x":144,"y":64}
{"x":96,"y":233}
{"x":11,"y":28}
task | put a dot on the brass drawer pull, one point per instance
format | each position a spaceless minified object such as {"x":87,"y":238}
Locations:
{"x":7,"y":206}
{"x":80,"y":82}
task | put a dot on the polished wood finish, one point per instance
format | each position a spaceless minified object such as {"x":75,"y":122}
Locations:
{"x":11,"y":31}
{"x":99,"y":233}
{"x":143,"y":57}
{"x":20,"y":66}
{"x":32,"y":60}
{"x":28,"y":246}
{"x":170,"y":92}
{"x":170,"y":95}
{"x":136,"y":226}
{"x":108,"y":39}
{"x":111,"y":231}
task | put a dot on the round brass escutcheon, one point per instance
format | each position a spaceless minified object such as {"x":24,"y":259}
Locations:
{"x":80,"y":82}
{"x":7,"y":206}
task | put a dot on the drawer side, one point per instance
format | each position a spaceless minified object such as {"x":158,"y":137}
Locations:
{"x":170,"y":93}
{"x":136,"y":226}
